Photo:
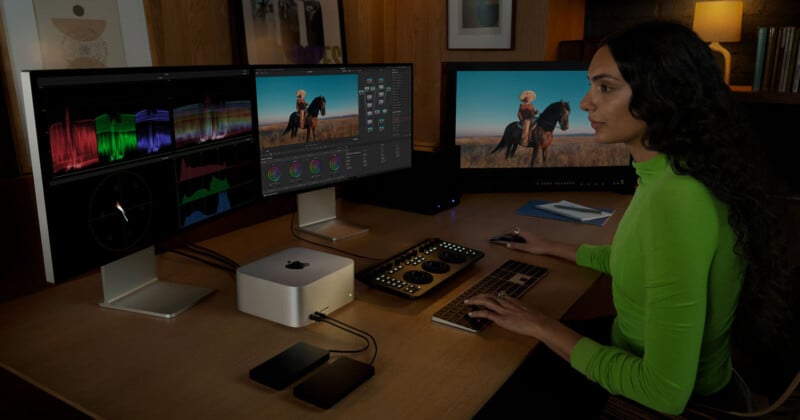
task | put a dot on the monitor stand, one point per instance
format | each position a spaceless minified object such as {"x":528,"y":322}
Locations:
{"x":316,"y":214}
{"x":130,"y":284}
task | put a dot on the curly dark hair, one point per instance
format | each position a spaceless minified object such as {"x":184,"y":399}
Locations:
{"x":693,"y":118}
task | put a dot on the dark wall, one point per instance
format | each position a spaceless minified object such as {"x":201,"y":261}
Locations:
{"x":605,"y":16}
{"x":8,"y":160}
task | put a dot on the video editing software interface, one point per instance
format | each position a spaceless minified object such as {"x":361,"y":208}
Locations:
{"x":125,"y":158}
{"x":482,"y":116}
{"x":357,"y":122}
{"x":129,"y":156}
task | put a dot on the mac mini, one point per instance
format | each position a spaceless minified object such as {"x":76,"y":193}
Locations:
{"x":288,"y":286}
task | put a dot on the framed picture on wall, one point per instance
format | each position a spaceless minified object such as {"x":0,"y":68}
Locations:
{"x":294,"y":31}
{"x":54,"y":34}
{"x":480,"y":24}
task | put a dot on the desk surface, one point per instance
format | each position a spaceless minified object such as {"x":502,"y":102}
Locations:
{"x":120,"y":365}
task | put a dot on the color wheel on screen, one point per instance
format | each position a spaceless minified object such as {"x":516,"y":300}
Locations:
{"x":274,"y":173}
{"x":334,"y":163}
{"x":295,"y":169}
{"x":315,"y":166}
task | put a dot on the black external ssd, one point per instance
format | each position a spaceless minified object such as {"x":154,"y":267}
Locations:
{"x":333,"y":382}
{"x":289,"y":365}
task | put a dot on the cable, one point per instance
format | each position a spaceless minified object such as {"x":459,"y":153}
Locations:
{"x":363,"y":337}
{"x":202,"y":260}
{"x":222,"y":262}
{"x":356,"y":331}
{"x":319,"y":316}
{"x":211,"y":253}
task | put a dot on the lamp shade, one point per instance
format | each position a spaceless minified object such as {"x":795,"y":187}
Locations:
{"x":719,"y":21}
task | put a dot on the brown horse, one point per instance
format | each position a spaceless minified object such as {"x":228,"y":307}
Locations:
{"x":316,"y":108}
{"x":541,"y":133}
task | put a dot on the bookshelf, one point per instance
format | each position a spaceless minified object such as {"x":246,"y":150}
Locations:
{"x":777,"y":62}
{"x":772,"y":115}
{"x":746,"y":95}
{"x":775,"y":98}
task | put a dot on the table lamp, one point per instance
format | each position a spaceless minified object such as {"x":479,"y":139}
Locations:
{"x":719,"y":21}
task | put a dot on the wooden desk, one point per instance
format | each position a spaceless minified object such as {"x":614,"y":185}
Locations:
{"x":121,"y":365}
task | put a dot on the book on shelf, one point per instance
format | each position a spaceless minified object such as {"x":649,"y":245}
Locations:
{"x":780,"y":46}
{"x":761,"y":50}
{"x":796,"y":78}
{"x":769,"y":57}
{"x":777,"y":59}
{"x":789,"y":56}
{"x":791,"y":65}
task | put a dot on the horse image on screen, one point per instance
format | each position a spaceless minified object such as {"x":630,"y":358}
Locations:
{"x":539,"y":133}
{"x":499,"y":123}
{"x":306,"y":118}
{"x":285,"y":117}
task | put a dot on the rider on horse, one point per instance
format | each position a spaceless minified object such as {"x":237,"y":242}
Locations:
{"x":301,"y":107}
{"x":527,"y":114}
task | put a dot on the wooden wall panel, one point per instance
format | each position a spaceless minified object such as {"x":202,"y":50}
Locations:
{"x":421,"y":36}
{"x":369,"y":31}
{"x":189,"y":32}
{"x":564,"y":22}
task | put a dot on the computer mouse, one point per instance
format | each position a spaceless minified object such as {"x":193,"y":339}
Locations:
{"x":504,"y":239}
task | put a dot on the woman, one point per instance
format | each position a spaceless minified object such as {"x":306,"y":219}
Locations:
{"x":697,"y":227}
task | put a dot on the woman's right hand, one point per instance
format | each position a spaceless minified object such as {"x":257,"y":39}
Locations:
{"x":539,"y":245}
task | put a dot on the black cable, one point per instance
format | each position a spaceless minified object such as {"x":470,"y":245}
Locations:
{"x":202,"y":260}
{"x":222,"y":262}
{"x":319,"y":316}
{"x":363,"y":337}
{"x":211,"y":253}
{"x":355,"y":331}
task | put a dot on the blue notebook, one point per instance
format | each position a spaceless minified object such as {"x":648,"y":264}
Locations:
{"x":530,"y":209}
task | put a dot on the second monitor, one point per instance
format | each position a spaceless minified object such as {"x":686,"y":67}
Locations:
{"x":319,"y":126}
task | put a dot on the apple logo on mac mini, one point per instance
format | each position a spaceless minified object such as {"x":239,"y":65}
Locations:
{"x":296,"y":265}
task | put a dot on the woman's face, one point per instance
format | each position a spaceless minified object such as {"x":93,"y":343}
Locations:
{"x":607,"y":103}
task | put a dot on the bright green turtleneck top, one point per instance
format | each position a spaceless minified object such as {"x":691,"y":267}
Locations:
{"x":676,"y":282}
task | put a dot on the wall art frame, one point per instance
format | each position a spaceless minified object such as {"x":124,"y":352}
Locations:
{"x":25,"y":52}
{"x":294,"y":31}
{"x":480,"y":24}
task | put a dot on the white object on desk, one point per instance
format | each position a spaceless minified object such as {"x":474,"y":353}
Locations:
{"x":288,"y":286}
{"x":131,"y":284}
{"x":574,"y":211}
